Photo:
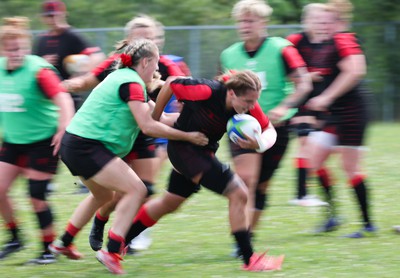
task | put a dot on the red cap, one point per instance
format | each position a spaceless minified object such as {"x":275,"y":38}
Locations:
{"x":53,"y":7}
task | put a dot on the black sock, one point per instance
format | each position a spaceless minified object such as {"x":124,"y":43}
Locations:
{"x":14,"y":234}
{"x":325,"y":182}
{"x":67,"y":239}
{"x":115,"y":243}
{"x":136,"y":228}
{"x":362,"y":195}
{"x":301,"y":183}
{"x":243,"y":241}
{"x":46,"y":246}
{"x":99,"y":222}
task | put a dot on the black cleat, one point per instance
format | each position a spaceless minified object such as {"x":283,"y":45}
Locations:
{"x":44,"y":258}
{"x":96,"y":236}
{"x":10,"y":247}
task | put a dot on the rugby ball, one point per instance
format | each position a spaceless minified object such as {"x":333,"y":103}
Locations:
{"x":76,"y":64}
{"x":242,"y":124}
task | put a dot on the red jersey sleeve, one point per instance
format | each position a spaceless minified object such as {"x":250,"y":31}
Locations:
{"x":292,"y":58}
{"x":190,"y":89}
{"x":295,"y":38}
{"x":131,"y":92}
{"x":172,"y":68}
{"x":184,"y":68}
{"x":105,"y":67}
{"x":257,"y":113}
{"x":49,"y":82}
{"x":347,"y":44}
{"x":91,"y":50}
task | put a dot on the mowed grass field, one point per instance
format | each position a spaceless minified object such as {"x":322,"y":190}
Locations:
{"x":196,"y":242}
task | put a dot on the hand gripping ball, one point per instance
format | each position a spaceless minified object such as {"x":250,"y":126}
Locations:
{"x":242,"y":124}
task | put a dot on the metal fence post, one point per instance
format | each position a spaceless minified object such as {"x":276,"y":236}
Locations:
{"x":389,"y":103}
{"x":194,"y":54}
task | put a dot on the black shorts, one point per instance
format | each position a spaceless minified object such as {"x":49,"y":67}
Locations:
{"x":84,"y":157}
{"x":190,"y":161}
{"x":38,"y":156}
{"x":270,"y":158}
{"x":351,"y":124}
{"x":144,"y":147}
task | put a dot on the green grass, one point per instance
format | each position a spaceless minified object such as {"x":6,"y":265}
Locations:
{"x":195,"y":241}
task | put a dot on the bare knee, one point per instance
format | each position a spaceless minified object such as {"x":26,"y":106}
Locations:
{"x":4,"y":190}
{"x":136,"y":189}
{"x":237,"y":191}
{"x":249,"y":180}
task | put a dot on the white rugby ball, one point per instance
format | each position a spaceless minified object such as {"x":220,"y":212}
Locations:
{"x":242,"y":124}
{"x":76,"y":64}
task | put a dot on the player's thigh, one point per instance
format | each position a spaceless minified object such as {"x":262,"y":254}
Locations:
{"x":145,"y":168}
{"x":117,"y":175}
{"x":8,"y":173}
{"x":247,"y":165}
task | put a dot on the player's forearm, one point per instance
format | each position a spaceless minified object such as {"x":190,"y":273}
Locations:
{"x":81,"y":84}
{"x":66,"y":105}
{"x":303,"y":86}
{"x":353,"y":70}
{"x":163,"y":97}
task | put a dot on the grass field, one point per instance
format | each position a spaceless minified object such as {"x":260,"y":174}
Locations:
{"x":195,"y":241}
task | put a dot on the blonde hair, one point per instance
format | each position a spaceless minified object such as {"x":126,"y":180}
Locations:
{"x":140,"y":21}
{"x":137,"y":50}
{"x":344,"y":9}
{"x":254,"y":7}
{"x":160,"y":35}
{"x":309,"y":8}
{"x":14,"y":27}
{"x":240,"y":81}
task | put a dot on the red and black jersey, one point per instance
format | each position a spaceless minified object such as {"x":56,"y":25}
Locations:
{"x":106,"y":67}
{"x":324,"y":58}
{"x":166,"y":67}
{"x":205,"y":110}
{"x":64,"y":44}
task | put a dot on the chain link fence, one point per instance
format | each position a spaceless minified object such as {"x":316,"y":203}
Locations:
{"x":202,"y":45}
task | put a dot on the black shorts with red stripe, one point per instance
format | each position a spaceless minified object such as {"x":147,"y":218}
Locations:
{"x":270,"y":158}
{"x":144,"y":147}
{"x":350,"y":123}
{"x":38,"y":156}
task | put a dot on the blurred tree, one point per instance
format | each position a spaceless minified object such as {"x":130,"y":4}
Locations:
{"x":380,"y":39}
{"x":113,"y":13}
